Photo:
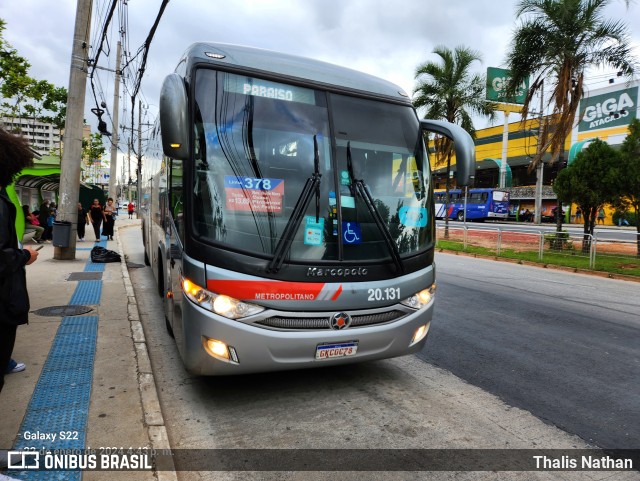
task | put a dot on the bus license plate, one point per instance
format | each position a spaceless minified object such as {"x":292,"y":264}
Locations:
{"x":330,"y":351}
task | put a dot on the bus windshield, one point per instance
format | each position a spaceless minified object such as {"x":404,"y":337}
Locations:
{"x":257,"y":142}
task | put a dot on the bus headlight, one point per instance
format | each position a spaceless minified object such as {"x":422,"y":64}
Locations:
{"x":420,"y":334}
{"x":420,"y":299}
{"x":220,"y":304}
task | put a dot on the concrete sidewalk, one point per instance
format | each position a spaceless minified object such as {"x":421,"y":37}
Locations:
{"x":88,"y":380}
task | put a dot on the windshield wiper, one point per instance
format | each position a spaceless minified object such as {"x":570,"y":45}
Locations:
{"x":288,"y":234}
{"x":362,"y":189}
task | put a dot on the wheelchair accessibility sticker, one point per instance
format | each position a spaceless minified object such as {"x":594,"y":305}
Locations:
{"x":413,"y":216}
{"x":351,"y":233}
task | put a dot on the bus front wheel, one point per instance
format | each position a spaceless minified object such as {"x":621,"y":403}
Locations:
{"x":161,"y":291}
{"x":460,"y":216}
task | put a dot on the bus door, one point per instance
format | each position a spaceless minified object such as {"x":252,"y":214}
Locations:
{"x":174,"y":248}
{"x":477,"y":205}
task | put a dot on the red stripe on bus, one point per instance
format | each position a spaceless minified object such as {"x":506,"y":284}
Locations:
{"x":337,"y":294}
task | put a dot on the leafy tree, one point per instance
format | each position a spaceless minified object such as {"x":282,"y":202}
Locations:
{"x":14,"y":80}
{"x":557,"y":41}
{"x":591,"y":181}
{"x":92,"y":151}
{"x":447,"y":90}
{"x":55,"y":103}
{"x":39,"y":99}
{"x":630,"y":176}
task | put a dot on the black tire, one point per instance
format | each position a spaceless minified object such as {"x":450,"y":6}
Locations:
{"x":161,"y":292}
{"x":147,"y":262}
{"x":460,"y":216}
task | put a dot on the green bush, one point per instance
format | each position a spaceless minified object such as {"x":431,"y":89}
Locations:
{"x":620,"y":213}
{"x":558,"y":241}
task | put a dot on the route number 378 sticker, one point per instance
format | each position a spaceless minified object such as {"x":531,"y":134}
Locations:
{"x":388,"y":294}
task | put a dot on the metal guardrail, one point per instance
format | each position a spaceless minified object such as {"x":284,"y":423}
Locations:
{"x":563,"y":243}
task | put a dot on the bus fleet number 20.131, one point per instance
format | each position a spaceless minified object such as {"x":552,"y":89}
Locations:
{"x":388,"y":294}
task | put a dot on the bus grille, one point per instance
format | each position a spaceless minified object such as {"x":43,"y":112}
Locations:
{"x":296,"y":323}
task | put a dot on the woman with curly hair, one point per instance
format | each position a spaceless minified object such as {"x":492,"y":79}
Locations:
{"x":15,"y":155}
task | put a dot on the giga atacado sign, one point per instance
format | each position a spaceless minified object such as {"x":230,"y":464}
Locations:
{"x":608,"y":110}
{"x":497,"y":79}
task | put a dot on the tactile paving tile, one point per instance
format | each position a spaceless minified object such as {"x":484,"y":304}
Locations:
{"x":87,"y":293}
{"x":60,"y":401}
{"x":75,"y":395}
{"x":94,"y":267}
{"x":71,"y":418}
{"x":69,"y":322}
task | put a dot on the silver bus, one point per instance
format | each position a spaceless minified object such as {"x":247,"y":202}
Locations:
{"x":288,"y":212}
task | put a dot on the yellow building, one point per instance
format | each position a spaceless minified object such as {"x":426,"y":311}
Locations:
{"x":605,"y":113}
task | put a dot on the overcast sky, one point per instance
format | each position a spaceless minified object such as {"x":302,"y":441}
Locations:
{"x":385,"y":38}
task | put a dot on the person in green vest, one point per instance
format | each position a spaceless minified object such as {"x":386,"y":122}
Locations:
{"x":15,"y":155}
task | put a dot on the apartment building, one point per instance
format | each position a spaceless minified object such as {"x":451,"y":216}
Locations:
{"x":43,"y":137}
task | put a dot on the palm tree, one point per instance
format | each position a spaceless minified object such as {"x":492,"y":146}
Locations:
{"x":557,"y":41}
{"x":447,"y":90}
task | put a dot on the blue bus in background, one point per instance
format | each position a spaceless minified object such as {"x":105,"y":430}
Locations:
{"x":481,"y":204}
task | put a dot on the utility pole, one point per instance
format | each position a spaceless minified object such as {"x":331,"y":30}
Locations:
{"x":70,"y":163}
{"x":129,"y":168}
{"x":540,"y":169}
{"x":138,"y":196}
{"x":502,"y":182}
{"x":113,"y":167}
{"x":139,"y":183}
{"x":506,"y":109}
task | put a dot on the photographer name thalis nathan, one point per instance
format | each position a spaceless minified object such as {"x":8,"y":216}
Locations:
{"x":583,"y":462}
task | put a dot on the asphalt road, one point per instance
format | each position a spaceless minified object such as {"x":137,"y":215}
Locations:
{"x":563,"y":346}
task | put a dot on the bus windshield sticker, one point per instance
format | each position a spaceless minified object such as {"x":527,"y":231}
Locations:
{"x":250,"y":194}
{"x":351,"y":233}
{"x":348,"y":201}
{"x":413,"y":216}
{"x":344,"y":178}
{"x":313,"y":231}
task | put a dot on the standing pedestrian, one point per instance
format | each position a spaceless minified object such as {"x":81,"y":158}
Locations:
{"x":43,"y":218}
{"x":97,"y":216}
{"x":601,"y":215}
{"x":83,"y":220}
{"x":130,"y":209}
{"x":109,"y":219}
{"x":15,"y":155}
{"x":578,"y":214}
{"x":53,"y":212}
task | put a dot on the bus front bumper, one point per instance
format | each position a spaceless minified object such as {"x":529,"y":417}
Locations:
{"x":259,"y":349}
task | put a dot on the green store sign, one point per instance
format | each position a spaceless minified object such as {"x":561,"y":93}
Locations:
{"x":608,"y":110}
{"x":497,"y":79}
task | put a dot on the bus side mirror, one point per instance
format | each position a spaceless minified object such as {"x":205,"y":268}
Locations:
{"x":463,"y":144}
{"x":173,"y":118}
